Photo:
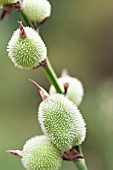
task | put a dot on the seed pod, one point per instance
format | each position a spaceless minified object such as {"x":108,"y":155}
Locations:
{"x":75,"y":89}
{"x":61,"y":120}
{"x":36,"y":10}
{"x":26,"y":48}
{"x":5,"y":2}
{"x":40,"y":154}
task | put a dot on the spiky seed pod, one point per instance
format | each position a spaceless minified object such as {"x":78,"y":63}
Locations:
{"x":26,"y":48}
{"x":36,"y":10}
{"x":40,"y":154}
{"x":75,"y":89}
{"x":5,"y":2}
{"x":61,"y":120}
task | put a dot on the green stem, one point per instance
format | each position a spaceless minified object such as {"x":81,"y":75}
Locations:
{"x":52,"y":76}
{"x":80,"y":164}
{"x":26,"y":21}
{"x":79,"y":149}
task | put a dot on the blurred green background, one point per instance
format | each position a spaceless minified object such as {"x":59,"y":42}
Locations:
{"x":79,"y":36}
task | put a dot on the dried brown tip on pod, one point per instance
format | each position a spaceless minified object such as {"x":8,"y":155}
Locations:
{"x":22,"y":31}
{"x":43,"y":93}
{"x":66,"y":85}
{"x":15,"y":152}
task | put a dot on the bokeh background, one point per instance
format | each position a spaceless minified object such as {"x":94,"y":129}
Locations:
{"x":79,"y":36}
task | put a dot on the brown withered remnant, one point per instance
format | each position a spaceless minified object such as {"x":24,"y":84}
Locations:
{"x":43,"y":63}
{"x":22,"y":31}
{"x":66,"y":86}
{"x":37,"y":24}
{"x":72,"y":155}
{"x":15,"y":152}
{"x":42,"y":92}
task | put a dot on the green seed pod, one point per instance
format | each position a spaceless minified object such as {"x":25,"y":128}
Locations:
{"x":75,"y":90}
{"x":36,"y":10}
{"x":40,"y":154}
{"x":61,"y":120}
{"x":26,"y":48}
{"x":5,"y":2}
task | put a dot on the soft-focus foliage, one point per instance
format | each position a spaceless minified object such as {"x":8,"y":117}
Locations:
{"x":79,"y":36}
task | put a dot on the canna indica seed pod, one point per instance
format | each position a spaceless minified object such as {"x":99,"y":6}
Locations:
{"x":75,"y":89}
{"x":36,"y":10}
{"x":26,"y":48}
{"x":40,"y":154}
{"x":6,"y":2}
{"x":61,"y":120}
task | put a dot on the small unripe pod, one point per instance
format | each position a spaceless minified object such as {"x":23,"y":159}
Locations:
{"x":36,"y":10}
{"x":26,"y":48}
{"x":75,"y":90}
{"x":61,"y":120}
{"x":40,"y":154}
{"x":5,"y":2}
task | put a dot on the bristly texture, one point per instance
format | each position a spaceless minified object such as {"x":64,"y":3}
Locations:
{"x":61,"y":120}
{"x":26,"y":52}
{"x":40,"y":154}
{"x":5,"y":2}
{"x":75,"y":90}
{"x":36,"y":10}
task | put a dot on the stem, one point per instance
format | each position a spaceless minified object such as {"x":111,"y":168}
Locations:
{"x":79,"y":149}
{"x":80,"y":164}
{"x":52,"y":76}
{"x":26,"y":21}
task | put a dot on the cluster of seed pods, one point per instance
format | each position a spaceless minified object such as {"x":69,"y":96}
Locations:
{"x":62,"y":123}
